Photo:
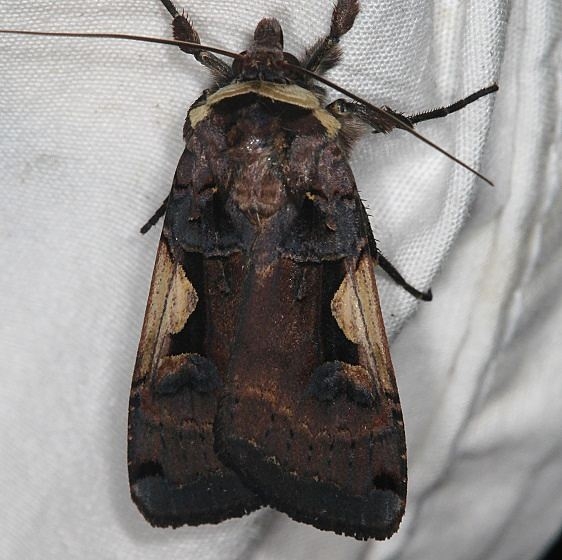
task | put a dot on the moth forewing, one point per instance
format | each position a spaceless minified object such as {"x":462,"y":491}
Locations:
{"x":174,"y":473}
{"x":327,"y":448}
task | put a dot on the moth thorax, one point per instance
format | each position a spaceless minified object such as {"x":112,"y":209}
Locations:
{"x":257,"y":191}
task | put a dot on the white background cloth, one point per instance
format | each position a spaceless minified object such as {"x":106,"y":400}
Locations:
{"x":90,"y":134}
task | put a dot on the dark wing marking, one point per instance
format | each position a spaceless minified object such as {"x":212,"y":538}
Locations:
{"x":175,"y":476}
{"x":311,"y":418}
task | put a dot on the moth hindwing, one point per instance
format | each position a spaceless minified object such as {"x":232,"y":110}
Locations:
{"x":263,"y":374}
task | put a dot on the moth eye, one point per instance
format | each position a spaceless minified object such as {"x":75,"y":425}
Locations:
{"x":339,"y":107}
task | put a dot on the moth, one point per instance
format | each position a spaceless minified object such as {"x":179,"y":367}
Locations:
{"x":263,"y":375}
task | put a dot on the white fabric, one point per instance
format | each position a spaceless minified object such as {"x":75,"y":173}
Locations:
{"x":90,"y":134}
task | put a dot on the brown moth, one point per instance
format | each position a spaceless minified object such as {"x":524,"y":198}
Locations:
{"x":263,"y":375}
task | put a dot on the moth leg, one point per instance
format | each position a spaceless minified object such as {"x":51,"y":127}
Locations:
{"x":326,"y":52}
{"x":389,"y":268}
{"x":444,"y":111}
{"x":184,"y":31}
{"x":352,"y":113}
{"x":153,"y":220}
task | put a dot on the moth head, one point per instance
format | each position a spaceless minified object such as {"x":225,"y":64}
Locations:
{"x":265,"y":59}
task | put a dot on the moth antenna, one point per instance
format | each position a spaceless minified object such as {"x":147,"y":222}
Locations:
{"x":197,"y":46}
{"x":170,"y":7}
{"x":142,"y":38}
{"x":401,"y":124}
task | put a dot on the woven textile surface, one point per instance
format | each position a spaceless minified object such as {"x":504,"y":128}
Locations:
{"x":90,"y":134}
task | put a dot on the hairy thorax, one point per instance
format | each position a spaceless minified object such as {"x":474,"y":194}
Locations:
{"x":263,"y":151}
{"x":258,"y":187}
